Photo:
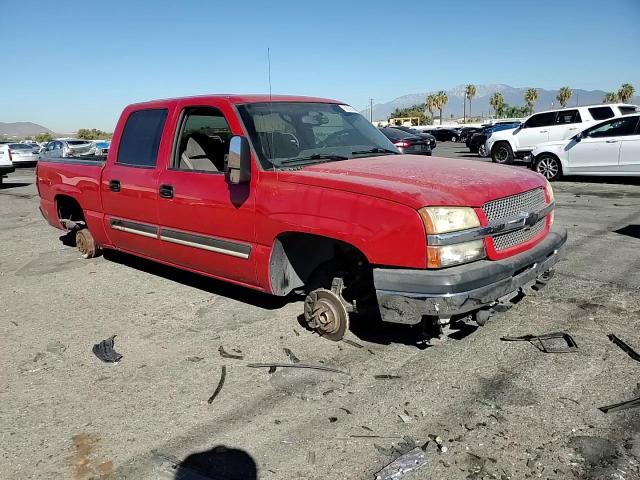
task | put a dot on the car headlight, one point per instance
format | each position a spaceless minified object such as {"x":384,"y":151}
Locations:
{"x":549,"y":190}
{"x":440,"y":220}
{"x":448,"y":219}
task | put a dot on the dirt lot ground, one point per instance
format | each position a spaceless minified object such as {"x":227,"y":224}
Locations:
{"x":503,"y":410}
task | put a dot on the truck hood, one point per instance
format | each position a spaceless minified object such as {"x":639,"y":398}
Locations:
{"x":419,"y":181}
{"x":503,"y":134}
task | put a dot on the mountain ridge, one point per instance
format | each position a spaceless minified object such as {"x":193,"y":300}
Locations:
{"x":22,"y":129}
{"x":480,"y":103}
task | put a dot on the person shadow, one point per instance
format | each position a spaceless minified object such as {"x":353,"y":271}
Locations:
{"x":218,"y":463}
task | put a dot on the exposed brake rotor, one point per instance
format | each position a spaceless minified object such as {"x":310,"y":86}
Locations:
{"x":325,"y":312}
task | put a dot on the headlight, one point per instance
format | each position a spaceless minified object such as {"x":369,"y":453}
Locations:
{"x":439,"y":220}
{"x":448,"y":219}
{"x":456,"y":254}
{"x":549,"y":190}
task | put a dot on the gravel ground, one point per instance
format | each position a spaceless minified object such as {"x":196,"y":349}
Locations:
{"x":503,"y":410}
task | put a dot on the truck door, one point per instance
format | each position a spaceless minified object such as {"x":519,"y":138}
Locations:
{"x":630,"y":152}
{"x":567,"y":124}
{"x":206,"y":223}
{"x":129,"y":185}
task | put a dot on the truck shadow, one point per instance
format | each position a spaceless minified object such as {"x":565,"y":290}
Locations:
{"x":6,"y":186}
{"x":201,"y":282}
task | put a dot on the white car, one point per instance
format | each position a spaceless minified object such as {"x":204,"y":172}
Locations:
{"x":22,"y":154}
{"x":68,"y":147}
{"x":608,"y":148}
{"x":550,"y":126}
{"x":6,"y":165}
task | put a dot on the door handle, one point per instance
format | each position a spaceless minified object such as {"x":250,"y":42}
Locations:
{"x":544,"y":131}
{"x":114,"y":185}
{"x":166,"y":191}
{"x":611,"y":141}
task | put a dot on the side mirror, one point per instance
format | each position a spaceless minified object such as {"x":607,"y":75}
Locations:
{"x":239,"y":160}
{"x":578,"y":137}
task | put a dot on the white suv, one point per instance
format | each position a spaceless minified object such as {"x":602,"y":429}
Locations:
{"x":550,"y":126}
{"x":6,"y":165}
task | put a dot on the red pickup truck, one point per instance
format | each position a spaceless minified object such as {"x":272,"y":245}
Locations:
{"x":299,"y":195}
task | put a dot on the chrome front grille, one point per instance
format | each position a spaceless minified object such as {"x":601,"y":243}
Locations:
{"x":509,"y":207}
{"x":511,"y":239}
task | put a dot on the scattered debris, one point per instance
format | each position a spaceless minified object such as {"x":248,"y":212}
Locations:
{"x":15,"y":323}
{"x":195,"y":359}
{"x":627,"y":349}
{"x":327,"y":392}
{"x":405,"y":418}
{"x":105,"y":352}
{"x":570,"y":399}
{"x":296,"y":332}
{"x":621,"y":406}
{"x":223,"y":376}
{"x":386,"y":377}
{"x":296,"y":365}
{"x":333,"y":419}
{"x":544,"y":342}
{"x":272,"y":369}
{"x":56,"y":347}
{"x":346,"y":410}
{"x":224,"y":354}
{"x":291,"y":355}
{"x":370,"y":351}
{"x":439,"y":442}
{"x":366,"y":428}
{"x":352,"y":343}
{"x":311,"y":457}
{"x":402,"y":465}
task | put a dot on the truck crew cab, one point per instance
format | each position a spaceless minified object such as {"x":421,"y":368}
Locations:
{"x":297,"y":195}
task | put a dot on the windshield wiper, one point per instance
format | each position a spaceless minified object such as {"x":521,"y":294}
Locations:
{"x":374,"y":150}
{"x":315,"y":156}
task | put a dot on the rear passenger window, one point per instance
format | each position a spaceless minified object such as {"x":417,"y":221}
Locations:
{"x":628,"y":110}
{"x":568,"y":116}
{"x":541,"y":120}
{"x":141,"y":138}
{"x":601,"y":113}
{"x":204,"y":141}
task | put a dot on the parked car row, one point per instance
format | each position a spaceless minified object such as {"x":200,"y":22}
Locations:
{"x":573,"y":141}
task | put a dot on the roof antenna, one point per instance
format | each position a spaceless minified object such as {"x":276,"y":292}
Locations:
{"x":272,"y":149}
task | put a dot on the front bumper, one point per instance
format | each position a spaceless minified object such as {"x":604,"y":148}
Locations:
{"x":405,"y":296}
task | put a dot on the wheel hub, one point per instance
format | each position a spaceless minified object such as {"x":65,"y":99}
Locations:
{"x":325,"y":313}
{"x":548,"y":168}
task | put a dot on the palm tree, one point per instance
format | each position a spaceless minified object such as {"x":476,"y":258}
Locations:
{"x":531,"y":97}
{"x":431,"y":104}
{"x":611,"y":97}
{"x":564,"y":94}
{"x":441,"y":100}
{"x":626,"y":92}
{"x":469,"y":93}
{"x":497,"y":103}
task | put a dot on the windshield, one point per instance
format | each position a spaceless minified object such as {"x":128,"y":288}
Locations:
{"x":20,"y":146}
{"x":76,"y":142}
{"x":290,"y":133}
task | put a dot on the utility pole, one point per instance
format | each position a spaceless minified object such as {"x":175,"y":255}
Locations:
{"x":371,"y":110}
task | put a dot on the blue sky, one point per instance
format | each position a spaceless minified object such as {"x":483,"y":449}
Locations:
{"x":70,"y":64}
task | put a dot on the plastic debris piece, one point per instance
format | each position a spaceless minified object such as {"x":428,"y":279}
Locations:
{"x":544,"y":342}
{"x":352,"y":343}
{"x":223,"y":376}
{"x":272,"y":369}
{"x":195,"y":359}
{"x":333,"y":419}
{"x":366,"y":428}
{"x":296,"y":365}
{"x":291,"y":355}
{"x":405,"y":418}
{"x":346,"y":410}
{"x":409,"y":462}
{"x":224,"y":354}
{"x":616,"y":407}
{"x":296,"y":332}
{"x":105,"y":352}
{"x":386,"y":377}
{"x":626,"y":348}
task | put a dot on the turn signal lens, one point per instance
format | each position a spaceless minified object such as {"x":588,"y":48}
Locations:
{"x":448,"y":219}
{"x":456,"y":254}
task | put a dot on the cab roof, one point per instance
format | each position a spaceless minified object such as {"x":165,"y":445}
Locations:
{"x":236,"y":99}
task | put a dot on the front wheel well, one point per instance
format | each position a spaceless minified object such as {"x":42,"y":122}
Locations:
{"x":303,"y":261}
{"x":69,"y":211}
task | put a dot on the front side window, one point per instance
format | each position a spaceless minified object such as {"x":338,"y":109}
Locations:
{"x":613,"y":128}
{"x":568,"y":116}
{"x":141,"y":138}
{"x":540,"y":120}
{"x":601,"y":113}
{"x":288,"y":133}
{"x":203,"y":142}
